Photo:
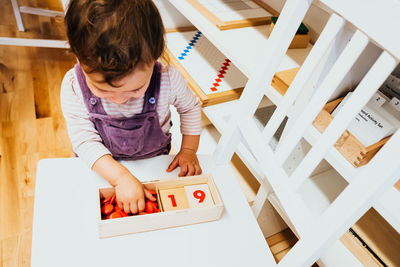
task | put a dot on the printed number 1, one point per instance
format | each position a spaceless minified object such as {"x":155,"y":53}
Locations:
{"x":172,"y":197}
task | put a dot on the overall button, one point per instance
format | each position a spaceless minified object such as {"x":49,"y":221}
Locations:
{"x":93,"y":101}
{"x":152,"y":100}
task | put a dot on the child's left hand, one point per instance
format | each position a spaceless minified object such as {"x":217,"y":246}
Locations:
{"x":187,"y":160}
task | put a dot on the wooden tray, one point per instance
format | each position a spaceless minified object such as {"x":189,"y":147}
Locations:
{"x":231,"y":19}
{"x":210,"y":75}
{"x":348,"y":145}
{"x":163,"y":219}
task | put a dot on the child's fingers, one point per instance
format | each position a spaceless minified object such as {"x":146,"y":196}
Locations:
{"x":184,"y":170}
{"x":173,"y":165}
{"x":133,"y":207}
{"x":126,"y":207}
{"x":120,"y":204}
{"x":198,"y":169}
{"x":149,"y":195}
{"x":191,"y":170}
{"x":141,"y":204}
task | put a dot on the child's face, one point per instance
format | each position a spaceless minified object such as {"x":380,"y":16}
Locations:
{"x":133,"y":85}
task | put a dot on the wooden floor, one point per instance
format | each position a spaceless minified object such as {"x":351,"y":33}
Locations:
{"x":31,"y":123}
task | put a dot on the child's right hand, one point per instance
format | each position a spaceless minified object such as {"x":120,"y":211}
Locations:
{"x":130,"y":194}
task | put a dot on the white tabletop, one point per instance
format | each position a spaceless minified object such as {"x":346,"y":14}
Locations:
{"x":65,"y":223}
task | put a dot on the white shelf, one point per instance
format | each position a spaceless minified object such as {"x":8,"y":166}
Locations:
{"x":242,"y":46}
{"x":336,"y":255}
{"x":387,"y":205}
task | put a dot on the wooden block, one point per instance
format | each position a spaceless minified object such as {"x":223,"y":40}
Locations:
{"x":379,"y":236}
{"x":199,"y":196}
{"x":174,"y":199}
{"x":300,"y":41}
{"x":283,"y":79}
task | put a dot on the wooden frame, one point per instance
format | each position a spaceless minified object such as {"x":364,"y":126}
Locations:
{"x":206,"y":100}
{"x":348,"y":145}
{"x":163,"y":219}
{"x":226,"y":25}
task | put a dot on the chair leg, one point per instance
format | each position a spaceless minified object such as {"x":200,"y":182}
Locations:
{"x":17,"y":15}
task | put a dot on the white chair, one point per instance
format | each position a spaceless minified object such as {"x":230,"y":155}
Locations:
{"x":33,"y":41}
{"x":318,"y":230}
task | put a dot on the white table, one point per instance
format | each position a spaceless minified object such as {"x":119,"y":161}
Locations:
{"x":65,"y":226}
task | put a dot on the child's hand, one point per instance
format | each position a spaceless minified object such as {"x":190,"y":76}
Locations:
{"x":187,"y":160}
{"x":130,"y":194}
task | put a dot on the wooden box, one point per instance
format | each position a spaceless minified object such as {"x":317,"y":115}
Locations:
{"x":163,"y":219}
{"x":348,"y":145}
{"x":300,"y":40}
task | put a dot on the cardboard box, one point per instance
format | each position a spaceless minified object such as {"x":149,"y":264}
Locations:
{"x":163,"y":219}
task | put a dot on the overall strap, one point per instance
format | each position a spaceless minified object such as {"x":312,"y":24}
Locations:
{"x":153,"y":91}
{"x":92,"y":102}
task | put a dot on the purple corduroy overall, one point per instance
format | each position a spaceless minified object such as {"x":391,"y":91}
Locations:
{"x":133,"y":138}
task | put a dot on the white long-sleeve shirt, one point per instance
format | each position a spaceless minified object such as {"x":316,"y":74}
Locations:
{"x":85,"y":139}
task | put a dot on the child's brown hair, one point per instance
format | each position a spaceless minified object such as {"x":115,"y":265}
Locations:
{"x":112,"y":37}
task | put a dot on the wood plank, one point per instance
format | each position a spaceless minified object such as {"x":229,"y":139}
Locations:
{"x":279,"y":237}
{"x":379,"y":236}
{"x":358,"y":250}
{"x":281,"y":254}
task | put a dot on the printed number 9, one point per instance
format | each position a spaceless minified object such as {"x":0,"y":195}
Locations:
{"x":200,"y":195}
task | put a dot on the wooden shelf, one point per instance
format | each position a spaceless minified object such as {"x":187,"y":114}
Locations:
{"x":242,"y":46}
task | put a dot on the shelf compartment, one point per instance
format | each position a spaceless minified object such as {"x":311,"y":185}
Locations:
{"x":318,"y":192}
{"x":348,"y":145}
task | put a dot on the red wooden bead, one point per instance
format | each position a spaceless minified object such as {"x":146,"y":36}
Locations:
{"x":105,"y":200}
{"x":115,"y":215}
{"x":149,"y":207}
{"x":142,"y":213}
{"x":107,"y":209}
{"x":123,"y":213}
{"x":117,"y":208}
{"x":155,"y":206}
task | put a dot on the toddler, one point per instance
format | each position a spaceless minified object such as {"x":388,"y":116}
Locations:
{"x":116,"y":99}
